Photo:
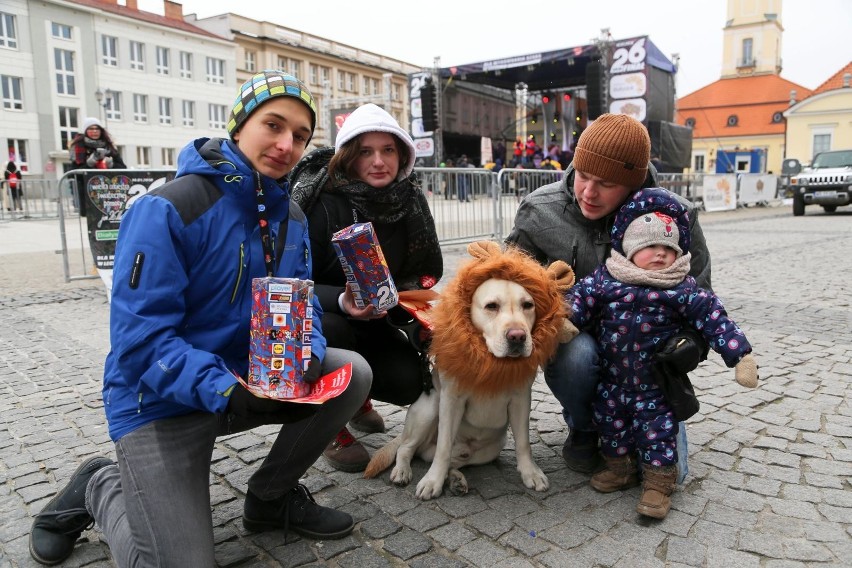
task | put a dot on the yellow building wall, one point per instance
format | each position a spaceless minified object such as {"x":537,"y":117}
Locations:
{"x":772,"y":144}
{"x":829,"y":112}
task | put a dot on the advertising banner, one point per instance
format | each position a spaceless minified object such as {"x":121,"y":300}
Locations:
{"x":628,"y":78}
{"x":720,"y":192}
{"x":424,"y":141}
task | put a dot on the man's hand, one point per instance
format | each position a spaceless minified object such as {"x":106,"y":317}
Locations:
{"x":312,"y":374}
{"x":244,"y":403}
{"x":683,"y":352}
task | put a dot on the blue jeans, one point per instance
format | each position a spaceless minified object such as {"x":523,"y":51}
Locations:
{"x":573,"y":376}
{"x":154,"y":506}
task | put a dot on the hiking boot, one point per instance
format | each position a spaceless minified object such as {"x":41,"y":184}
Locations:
{"x":620,"y":474}
{"x":580,"y":451}
{"x":658,"y":484}
{"x":61,"y":522}
{"x":296,"y":511}
{"x":345,"y":453}
{"x":367,"y":420}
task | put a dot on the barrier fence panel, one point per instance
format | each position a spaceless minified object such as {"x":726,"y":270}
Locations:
{"x":514,"y":184}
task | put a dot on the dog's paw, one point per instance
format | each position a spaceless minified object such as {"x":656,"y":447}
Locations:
{"x":457,"y":482}
{"x":535,"y":479}
{"x":400,"y":475}
{"x":429,"y":488}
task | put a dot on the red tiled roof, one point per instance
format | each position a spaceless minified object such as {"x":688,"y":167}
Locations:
{"x":835,"y":81}
{"x":754,"y":100}
{"x":146,"y":17}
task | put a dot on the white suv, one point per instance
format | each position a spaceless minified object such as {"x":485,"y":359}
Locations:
{"x":827,"y":182}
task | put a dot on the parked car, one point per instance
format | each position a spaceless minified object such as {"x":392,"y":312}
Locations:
{"x":826,"y":182}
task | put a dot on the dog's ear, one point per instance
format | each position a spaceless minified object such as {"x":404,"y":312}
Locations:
{"x":483,"y":249}
{"x":563,"y":274}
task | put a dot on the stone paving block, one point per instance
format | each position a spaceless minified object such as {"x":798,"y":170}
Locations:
{"x":452,"y":536}
{"x":423,"y":519}
{"x":806,"y":551}
{"x":729,"y":557}
{"x":687,"y":551}
{"x":432,"y":561}
{"x":525,"y":542}
{"x":293,"y":554}
{"x":406,"y":544}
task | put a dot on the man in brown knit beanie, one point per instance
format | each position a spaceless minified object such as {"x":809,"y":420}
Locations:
{"x":571,"y":220}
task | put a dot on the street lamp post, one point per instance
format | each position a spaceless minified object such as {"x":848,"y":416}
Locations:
{"x":103,"y":98}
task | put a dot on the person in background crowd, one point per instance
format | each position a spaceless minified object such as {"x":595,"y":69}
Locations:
{"x":179,"y":333}
{"x":92,"y":149}
{"x":14,"y":187}
{"x":368,"y":176}
{"x":570,"y":220}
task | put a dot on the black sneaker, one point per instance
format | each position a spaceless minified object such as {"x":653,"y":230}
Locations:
{"x":581,"y":453}
{"x":296,"y":511}
{"x":59,"y":524}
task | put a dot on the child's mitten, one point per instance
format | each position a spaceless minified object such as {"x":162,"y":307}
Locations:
{"x":746,"y":371}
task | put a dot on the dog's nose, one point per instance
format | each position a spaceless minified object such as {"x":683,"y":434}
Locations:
{"x":516,"y":336}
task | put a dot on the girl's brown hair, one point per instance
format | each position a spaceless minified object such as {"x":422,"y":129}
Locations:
{"x":343,"y":160}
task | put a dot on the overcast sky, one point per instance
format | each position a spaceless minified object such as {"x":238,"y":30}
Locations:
{"x":816,"y":40}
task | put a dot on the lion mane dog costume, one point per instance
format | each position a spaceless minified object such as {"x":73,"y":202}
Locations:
{"x":480,"y":393}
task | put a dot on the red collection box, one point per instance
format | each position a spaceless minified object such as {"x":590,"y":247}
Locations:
{"x":280,"y":337}
{"x":365,"y":266}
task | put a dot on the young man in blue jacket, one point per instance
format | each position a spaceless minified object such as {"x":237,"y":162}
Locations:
{"x":179,"y":330}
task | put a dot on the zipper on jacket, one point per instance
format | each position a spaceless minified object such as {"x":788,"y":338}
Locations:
{"x":239,"y":272}
{"x":139,"y":408}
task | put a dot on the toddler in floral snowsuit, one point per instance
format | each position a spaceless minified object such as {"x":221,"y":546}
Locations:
{"x":635,"y":302}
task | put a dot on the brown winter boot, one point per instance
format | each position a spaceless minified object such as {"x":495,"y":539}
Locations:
{"x":367,"y":420}
{"x":658,"y":483}
{"x":620,"y":473}
{"x":345,"y":453}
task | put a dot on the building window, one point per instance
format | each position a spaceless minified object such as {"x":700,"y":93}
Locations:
{"x":137,"y":56}
{"x":143,"y":156}
{"x":350,"y":82}
{"x":68,"y":124}
{"x":365,"y":85}
{"x":215,"y":70}
{"x":168,"y":156}
{"x":217,"y":115}
{"x":13,"y":99}
{"x":188,"y":113}
{"x":395,"y":92}
{"x":140,"y":108}
{"x":64,"y":61}
{"x":822,"y":143}
{"x":60,"y":31}
{"x":341,"y":81}
{"x":325,"y":75}
{"x":748,"y":53}
{"x":294,"y":68}
{"x":733,"y":120}
{"x":164,"y":57}
{"x":166,"y":111}
{"x":8,"y":34}
{"x":313,"y":74}
{"x":777,"y":117}
{"x":698,"y":163}
{"x":109,"y":50}
{"x":251,"y":61}
{"x":18,"y":153}
{"x":185,"y":65}
{"x":690,"y":122}
{"x":112,"y":105}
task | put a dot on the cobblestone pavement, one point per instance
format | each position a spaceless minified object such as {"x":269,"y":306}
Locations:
{"x":770,"y":469}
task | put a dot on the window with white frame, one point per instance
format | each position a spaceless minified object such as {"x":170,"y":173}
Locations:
{"x":395,"y":91}
{"x":165,"y":111}
{"x":281,"y":62}
{"x":19,"y":154}
{"x":143,"y":156}
{"x":140,"y":108}
{"x":167,"y":156}
{"x":325,"y":75}
{"x":163,"y":60}
{"x":251,"y":61}
{"x":8,"y":31}
{"x":63,"y":59}
{"x":313,"y":74}
{"x":112,"y":105}
{"x":215,"y":70}
{"x":748,"y":52}
{"x":217,"y":115}
{"x":68,"y":125}
{"x":60,"y":31}
{"x":375,"y":83}
{"x":341,"y":80}
{"x":13,"y":98}
{"x":350,"y":82}
{"x":109,"y":50}
{"x":188,"y":113}
{"x":821,"y":142}
{"x":137,"y":55}
{"x":294,"y":68}
{"x":185,"y":65}
{"x":698,"y":163}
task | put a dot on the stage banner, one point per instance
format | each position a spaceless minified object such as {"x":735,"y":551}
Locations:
{"x":110,"y":193}
{"x":720,"y":192}
{"x":628,"y":78}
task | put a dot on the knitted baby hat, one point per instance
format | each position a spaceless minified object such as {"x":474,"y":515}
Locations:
{"x":373,"y":118}
{"x":616,"y":148}
{"x":262,"y":87}
{"x":653,"y":228}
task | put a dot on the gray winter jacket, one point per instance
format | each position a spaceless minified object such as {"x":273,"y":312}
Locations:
{"x":550,"y":226}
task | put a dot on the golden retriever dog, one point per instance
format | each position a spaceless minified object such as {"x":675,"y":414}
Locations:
{"x":496,"y":323}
